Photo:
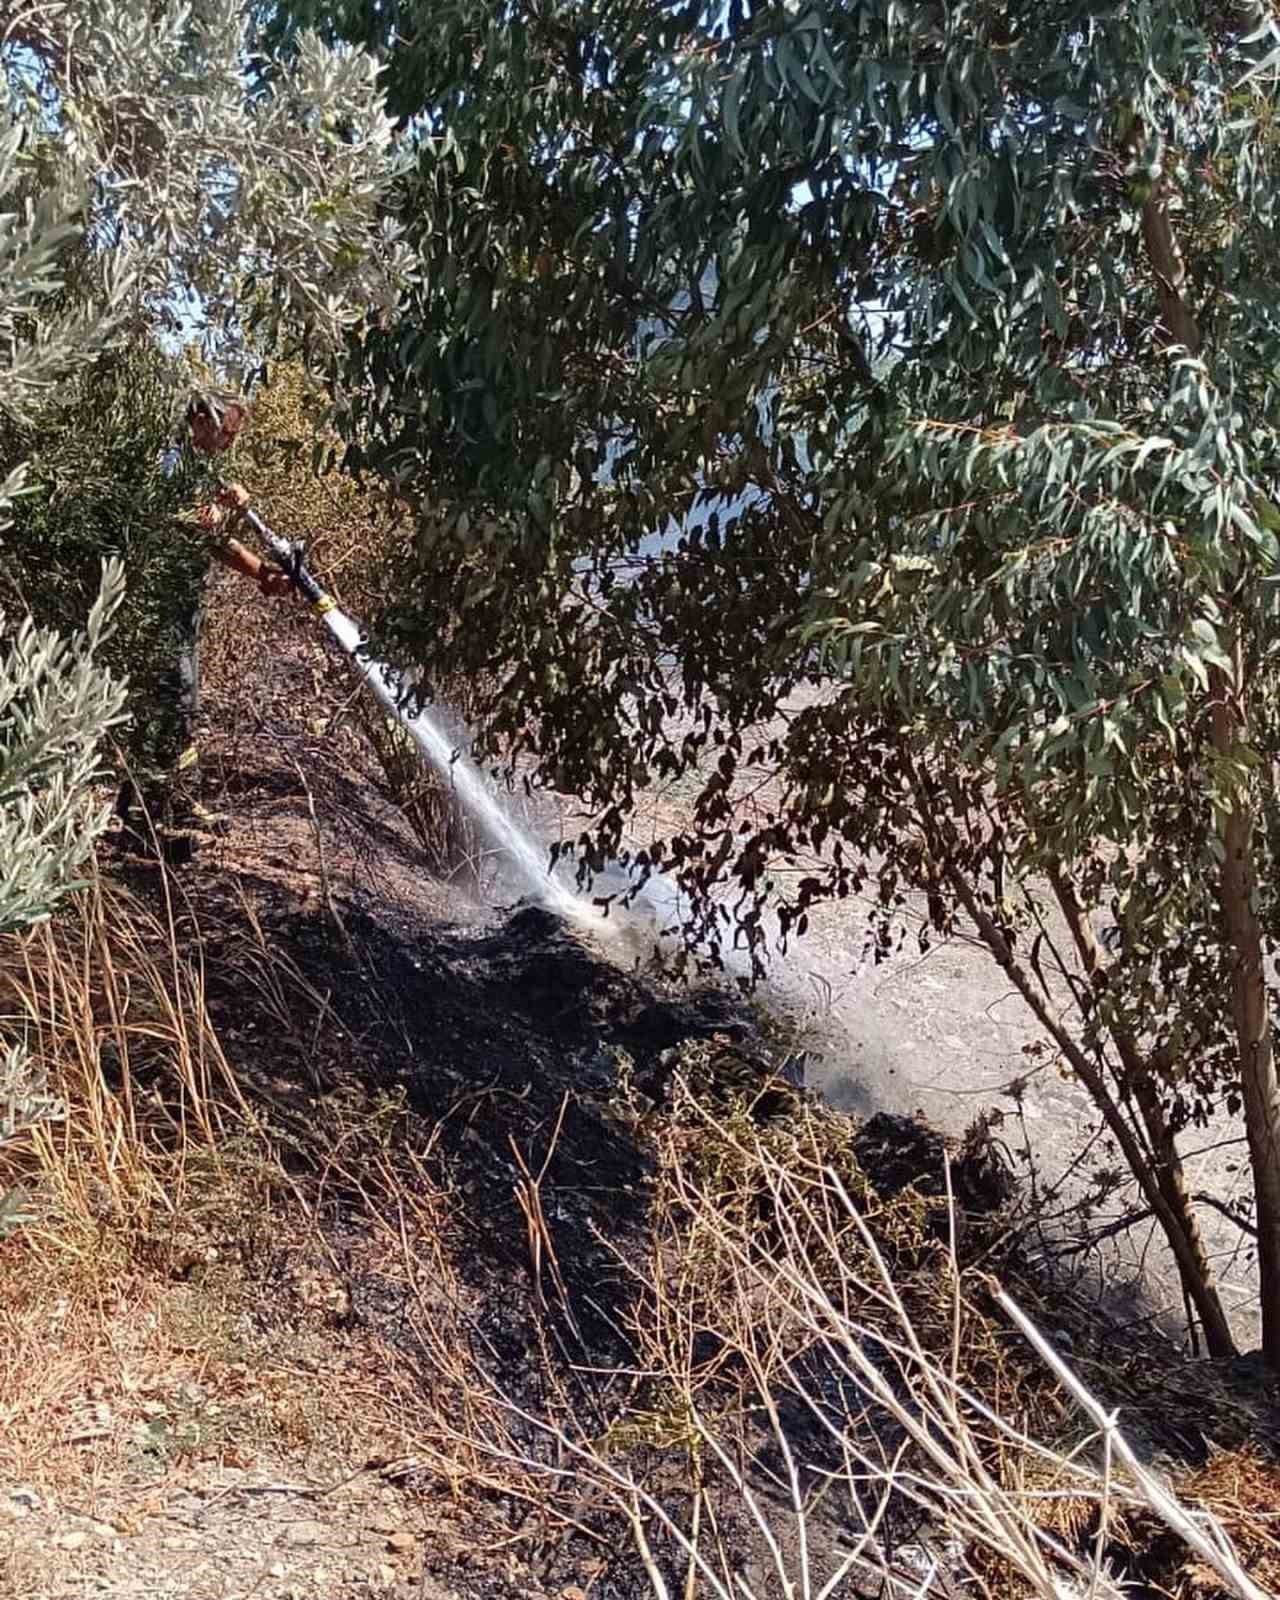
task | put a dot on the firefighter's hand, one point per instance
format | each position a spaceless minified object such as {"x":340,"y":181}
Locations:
{"x":229,"y":501}
{"x":272,"y":581}
{"x":234,"y":496}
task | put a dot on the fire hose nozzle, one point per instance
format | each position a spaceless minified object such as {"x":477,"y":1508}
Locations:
{"x":293,"y":557}
{"x":289,"y":556}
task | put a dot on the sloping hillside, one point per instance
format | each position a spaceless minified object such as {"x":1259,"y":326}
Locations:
{"x":324,"y":1301}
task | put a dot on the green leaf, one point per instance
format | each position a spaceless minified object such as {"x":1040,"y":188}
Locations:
{"x":732,"y":99}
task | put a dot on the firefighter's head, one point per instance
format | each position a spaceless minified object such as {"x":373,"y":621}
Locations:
{"x":214,"y":420}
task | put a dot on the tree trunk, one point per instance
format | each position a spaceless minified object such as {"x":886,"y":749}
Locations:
{"x":1237,"y":884}
{"x":1172,"y":1179}
{"x":1194,"y":1267}
{"x":1250,"y":1011}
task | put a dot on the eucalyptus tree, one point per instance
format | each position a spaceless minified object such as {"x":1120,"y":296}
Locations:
{"x":1066,"y":587}
{"x":954,"y":324}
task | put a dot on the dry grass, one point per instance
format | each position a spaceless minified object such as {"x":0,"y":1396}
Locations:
{"x":112,"y":1009}
{"x":824,"y":1392}
{"x":109,"y":1386}
{"x":156,"y":1165}
{"x":130,"y":1329}
{"x":1241,"y":1490}
{"x":20,"y":1573}
{"x":822,"y":1398}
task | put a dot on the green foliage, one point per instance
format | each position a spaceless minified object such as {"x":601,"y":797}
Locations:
{"x":101,"y":494}
{"x":859,"y":294}
{"x":55,"y":705}
{"x":136,"y":167}
{"x":254,"y":211}
{"x":580,"y":359}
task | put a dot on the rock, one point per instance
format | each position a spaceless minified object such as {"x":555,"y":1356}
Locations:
{"x":72,"y":1540}
{"x":302,"y":1534}
{"x":386,"y":1575}
{"x":403,"y":1543}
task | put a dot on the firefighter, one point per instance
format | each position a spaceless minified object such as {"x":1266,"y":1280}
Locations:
{"x":163,"y":802}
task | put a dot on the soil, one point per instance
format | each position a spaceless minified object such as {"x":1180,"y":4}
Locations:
{"x":368,"y":1007}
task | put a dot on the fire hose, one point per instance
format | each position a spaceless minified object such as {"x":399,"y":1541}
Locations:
{"x":345,"y":630}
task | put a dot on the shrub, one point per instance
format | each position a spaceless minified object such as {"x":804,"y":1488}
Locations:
{"x":96,"y":458}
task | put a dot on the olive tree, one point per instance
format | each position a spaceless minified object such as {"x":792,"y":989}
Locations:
{"x":924,"y":358}
{"x":143,"y":173}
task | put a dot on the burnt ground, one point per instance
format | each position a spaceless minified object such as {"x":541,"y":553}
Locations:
{"x":404,"y":1042}
{"x":409,"y":1042}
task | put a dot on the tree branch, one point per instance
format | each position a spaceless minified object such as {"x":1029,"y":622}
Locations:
{"x":1169,"y":270}
{"x":1204,"y":1199}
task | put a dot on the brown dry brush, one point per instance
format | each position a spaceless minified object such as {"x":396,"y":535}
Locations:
{"x":809,"y":1278}
{"x":156,"y":1162}
{"x":821,"y":1396}
{"x":163,"y":1233}
{"x":819,"y":1389}
{"x":109,"y":998}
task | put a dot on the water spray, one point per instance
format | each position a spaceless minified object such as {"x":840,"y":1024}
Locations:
{"x":384,"y":683}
